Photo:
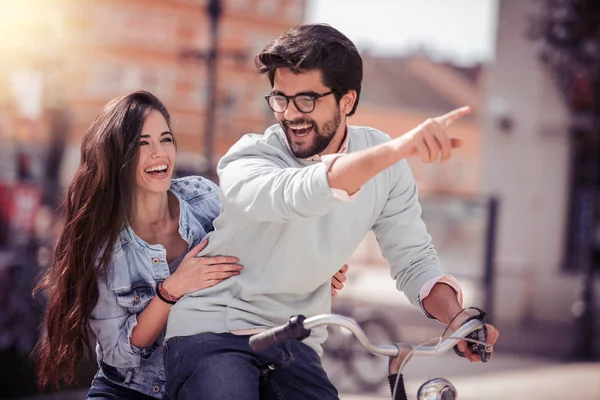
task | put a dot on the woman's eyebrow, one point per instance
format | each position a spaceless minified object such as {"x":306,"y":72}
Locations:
{"x":162,"y":134}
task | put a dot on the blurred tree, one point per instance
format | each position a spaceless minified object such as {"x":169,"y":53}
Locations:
{"x":570,"y":31}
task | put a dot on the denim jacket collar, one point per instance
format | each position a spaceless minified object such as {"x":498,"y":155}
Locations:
{"x":128,"y":234}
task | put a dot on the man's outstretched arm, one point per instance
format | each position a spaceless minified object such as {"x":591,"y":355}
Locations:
{"x":254,"y":181}
{"x":429,"y":141}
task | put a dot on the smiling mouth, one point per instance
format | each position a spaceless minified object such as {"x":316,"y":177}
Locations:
{"x":300,"y":130}
{"x":157,"y":170}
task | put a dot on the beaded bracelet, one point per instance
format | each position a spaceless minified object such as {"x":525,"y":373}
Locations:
{"x":165,"y":296}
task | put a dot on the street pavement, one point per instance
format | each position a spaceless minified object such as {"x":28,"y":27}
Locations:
{"x":530,"y":380}
{"x":531,"y":361}
{"x":504,"y":377}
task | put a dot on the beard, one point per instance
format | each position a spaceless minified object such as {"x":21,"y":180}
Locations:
{"x":321,"y":136}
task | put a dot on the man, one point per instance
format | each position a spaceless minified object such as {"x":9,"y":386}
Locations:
{"x":296,"y":202}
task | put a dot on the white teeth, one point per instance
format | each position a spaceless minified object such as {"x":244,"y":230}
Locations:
{"x":299,"y":127}
{"x":156,"y":168}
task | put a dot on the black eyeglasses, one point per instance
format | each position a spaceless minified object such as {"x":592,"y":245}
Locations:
{"x":305,"y":103}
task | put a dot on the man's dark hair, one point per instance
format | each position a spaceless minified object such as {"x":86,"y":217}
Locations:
{"x":315,"y":47}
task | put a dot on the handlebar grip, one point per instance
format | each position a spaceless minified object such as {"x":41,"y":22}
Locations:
{"x":292,"y":330}
{"x":484,"y":351}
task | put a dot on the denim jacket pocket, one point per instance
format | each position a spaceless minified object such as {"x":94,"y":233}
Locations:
{"x":137,"y":298}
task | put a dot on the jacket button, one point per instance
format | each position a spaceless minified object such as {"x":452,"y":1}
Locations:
{"x":155,"y":260}
{"x":156,"y":389}
{"x":136,"y":298}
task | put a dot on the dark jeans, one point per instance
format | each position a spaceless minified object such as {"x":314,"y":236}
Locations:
{"x":102,"y":388}
{"x":221,"y":366}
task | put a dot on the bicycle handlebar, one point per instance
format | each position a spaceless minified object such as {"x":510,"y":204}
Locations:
{"x":299,"y":327}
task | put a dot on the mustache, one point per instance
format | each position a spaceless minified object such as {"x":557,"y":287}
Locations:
{"x":286,"y":123}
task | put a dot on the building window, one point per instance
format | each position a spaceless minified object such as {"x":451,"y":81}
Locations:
{"x":460,"y":171}
{"x":295,"y":11}
{"x":109,"y":79}
{"x":232,"y":105}
{"x":258,"y":42}
{"x":237,"y":4}
{"x":198,"y":95}
{"x":433,"y":171}
{"x":267,"y":7}
{"x":122,"y":26}
{"x":105,"y":79}
{"x":132,"y":79}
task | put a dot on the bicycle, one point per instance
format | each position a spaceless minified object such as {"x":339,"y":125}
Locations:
{"x":344,"y":358}
{"x":473,"y":331}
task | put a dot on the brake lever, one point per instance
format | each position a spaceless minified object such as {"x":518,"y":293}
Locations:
{"x":484,"y":350}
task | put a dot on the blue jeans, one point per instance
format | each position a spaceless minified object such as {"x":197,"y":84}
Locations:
{"x":221,"y":366}
{"x":104,"y":389}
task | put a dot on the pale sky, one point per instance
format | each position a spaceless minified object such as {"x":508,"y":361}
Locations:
{"x":463,"y":31}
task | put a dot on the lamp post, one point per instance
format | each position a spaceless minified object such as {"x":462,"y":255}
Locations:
{"x":211,"y":56}
{"x":214,"y":12}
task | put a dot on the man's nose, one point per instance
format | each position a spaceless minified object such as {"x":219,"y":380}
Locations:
{"x":291,"y":113}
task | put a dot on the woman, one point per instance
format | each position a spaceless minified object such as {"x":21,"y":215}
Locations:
{"x":125,"y":256}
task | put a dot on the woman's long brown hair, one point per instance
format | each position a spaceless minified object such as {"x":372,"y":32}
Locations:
{"x":96,"y":207}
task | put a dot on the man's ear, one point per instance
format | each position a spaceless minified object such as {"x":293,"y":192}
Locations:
{"x":347,"y":101}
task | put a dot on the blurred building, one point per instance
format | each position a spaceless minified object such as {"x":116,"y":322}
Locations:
{"x":528,"y":162}
{"x":397,"y":95}
{"x":519,"y":150}
{"x":77,"y":55}
{"x":400,"y":93}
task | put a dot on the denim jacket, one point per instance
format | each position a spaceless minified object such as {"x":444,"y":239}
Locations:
{"x":135,"y":270}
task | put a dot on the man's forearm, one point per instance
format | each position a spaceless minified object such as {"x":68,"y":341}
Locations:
{"x":429,"y":140}
{"x":442,"y":303}
{"x":352,"y":171}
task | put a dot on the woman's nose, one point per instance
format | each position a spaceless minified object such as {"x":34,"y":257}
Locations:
{"x":158,"y":151}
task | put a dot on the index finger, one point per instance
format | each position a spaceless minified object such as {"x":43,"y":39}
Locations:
{"x":224,"y":267}
{"x":454,"y":115}
{"x":214,"y":260}
{"x":197,"y":249}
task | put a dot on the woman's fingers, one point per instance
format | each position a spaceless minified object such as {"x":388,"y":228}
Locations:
{"x":220,"y":274}
{"x":216,"y":260}
{"x":197,"y":249}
